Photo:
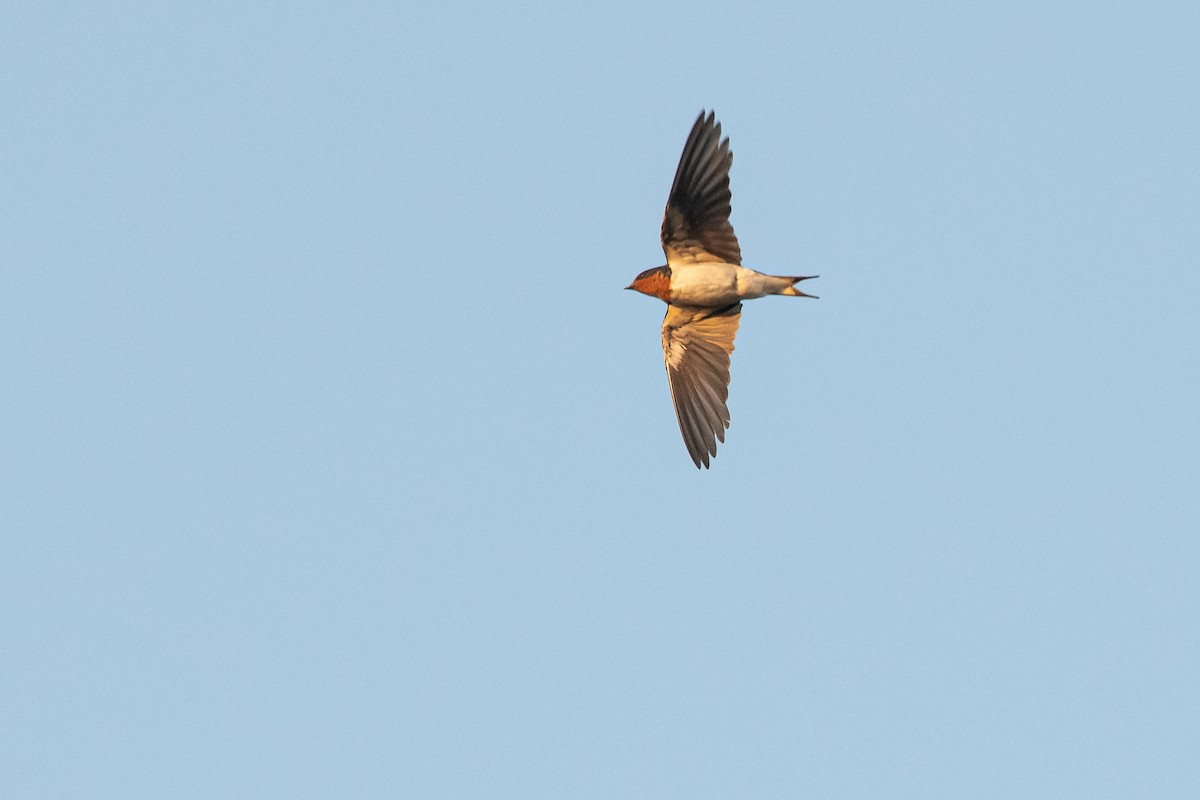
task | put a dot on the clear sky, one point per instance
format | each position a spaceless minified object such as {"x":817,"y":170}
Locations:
{"x":336,"y":462}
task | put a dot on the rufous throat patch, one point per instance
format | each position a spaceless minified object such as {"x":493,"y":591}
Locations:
{"x":655,"y":282}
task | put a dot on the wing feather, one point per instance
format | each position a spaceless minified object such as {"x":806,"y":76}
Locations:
{"x":697,"y":343}
{"x":696,"y":223}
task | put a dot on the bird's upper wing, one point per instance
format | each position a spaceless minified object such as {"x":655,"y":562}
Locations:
{"x":696,"y":224}
{"x":697,"y":343}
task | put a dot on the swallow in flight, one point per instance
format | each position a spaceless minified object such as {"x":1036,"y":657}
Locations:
{"x":703,"y":284}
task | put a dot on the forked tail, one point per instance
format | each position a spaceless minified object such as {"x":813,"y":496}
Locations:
{"x":792,"y":291}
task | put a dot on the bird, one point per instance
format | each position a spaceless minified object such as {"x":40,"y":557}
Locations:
{"x":703,"y":284}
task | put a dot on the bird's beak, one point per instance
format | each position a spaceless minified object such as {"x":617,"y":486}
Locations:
{"x":630,"y":286}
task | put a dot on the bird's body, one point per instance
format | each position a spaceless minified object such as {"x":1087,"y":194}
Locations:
{"x":713,"y":283}
{"x":703,"y":284}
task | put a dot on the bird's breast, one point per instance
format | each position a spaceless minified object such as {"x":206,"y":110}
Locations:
{"x":704,"y":284}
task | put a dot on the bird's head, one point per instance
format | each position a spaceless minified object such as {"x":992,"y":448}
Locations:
{"x":655,"y":282}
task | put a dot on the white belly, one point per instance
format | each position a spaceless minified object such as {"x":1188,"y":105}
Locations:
{"x":710,"y":283}
{"x":704,"y":284}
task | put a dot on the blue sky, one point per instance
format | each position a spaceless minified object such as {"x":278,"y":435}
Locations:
{"x":337,"y":464}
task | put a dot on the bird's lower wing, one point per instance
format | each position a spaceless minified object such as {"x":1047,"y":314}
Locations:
{"x":697,"y":343}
